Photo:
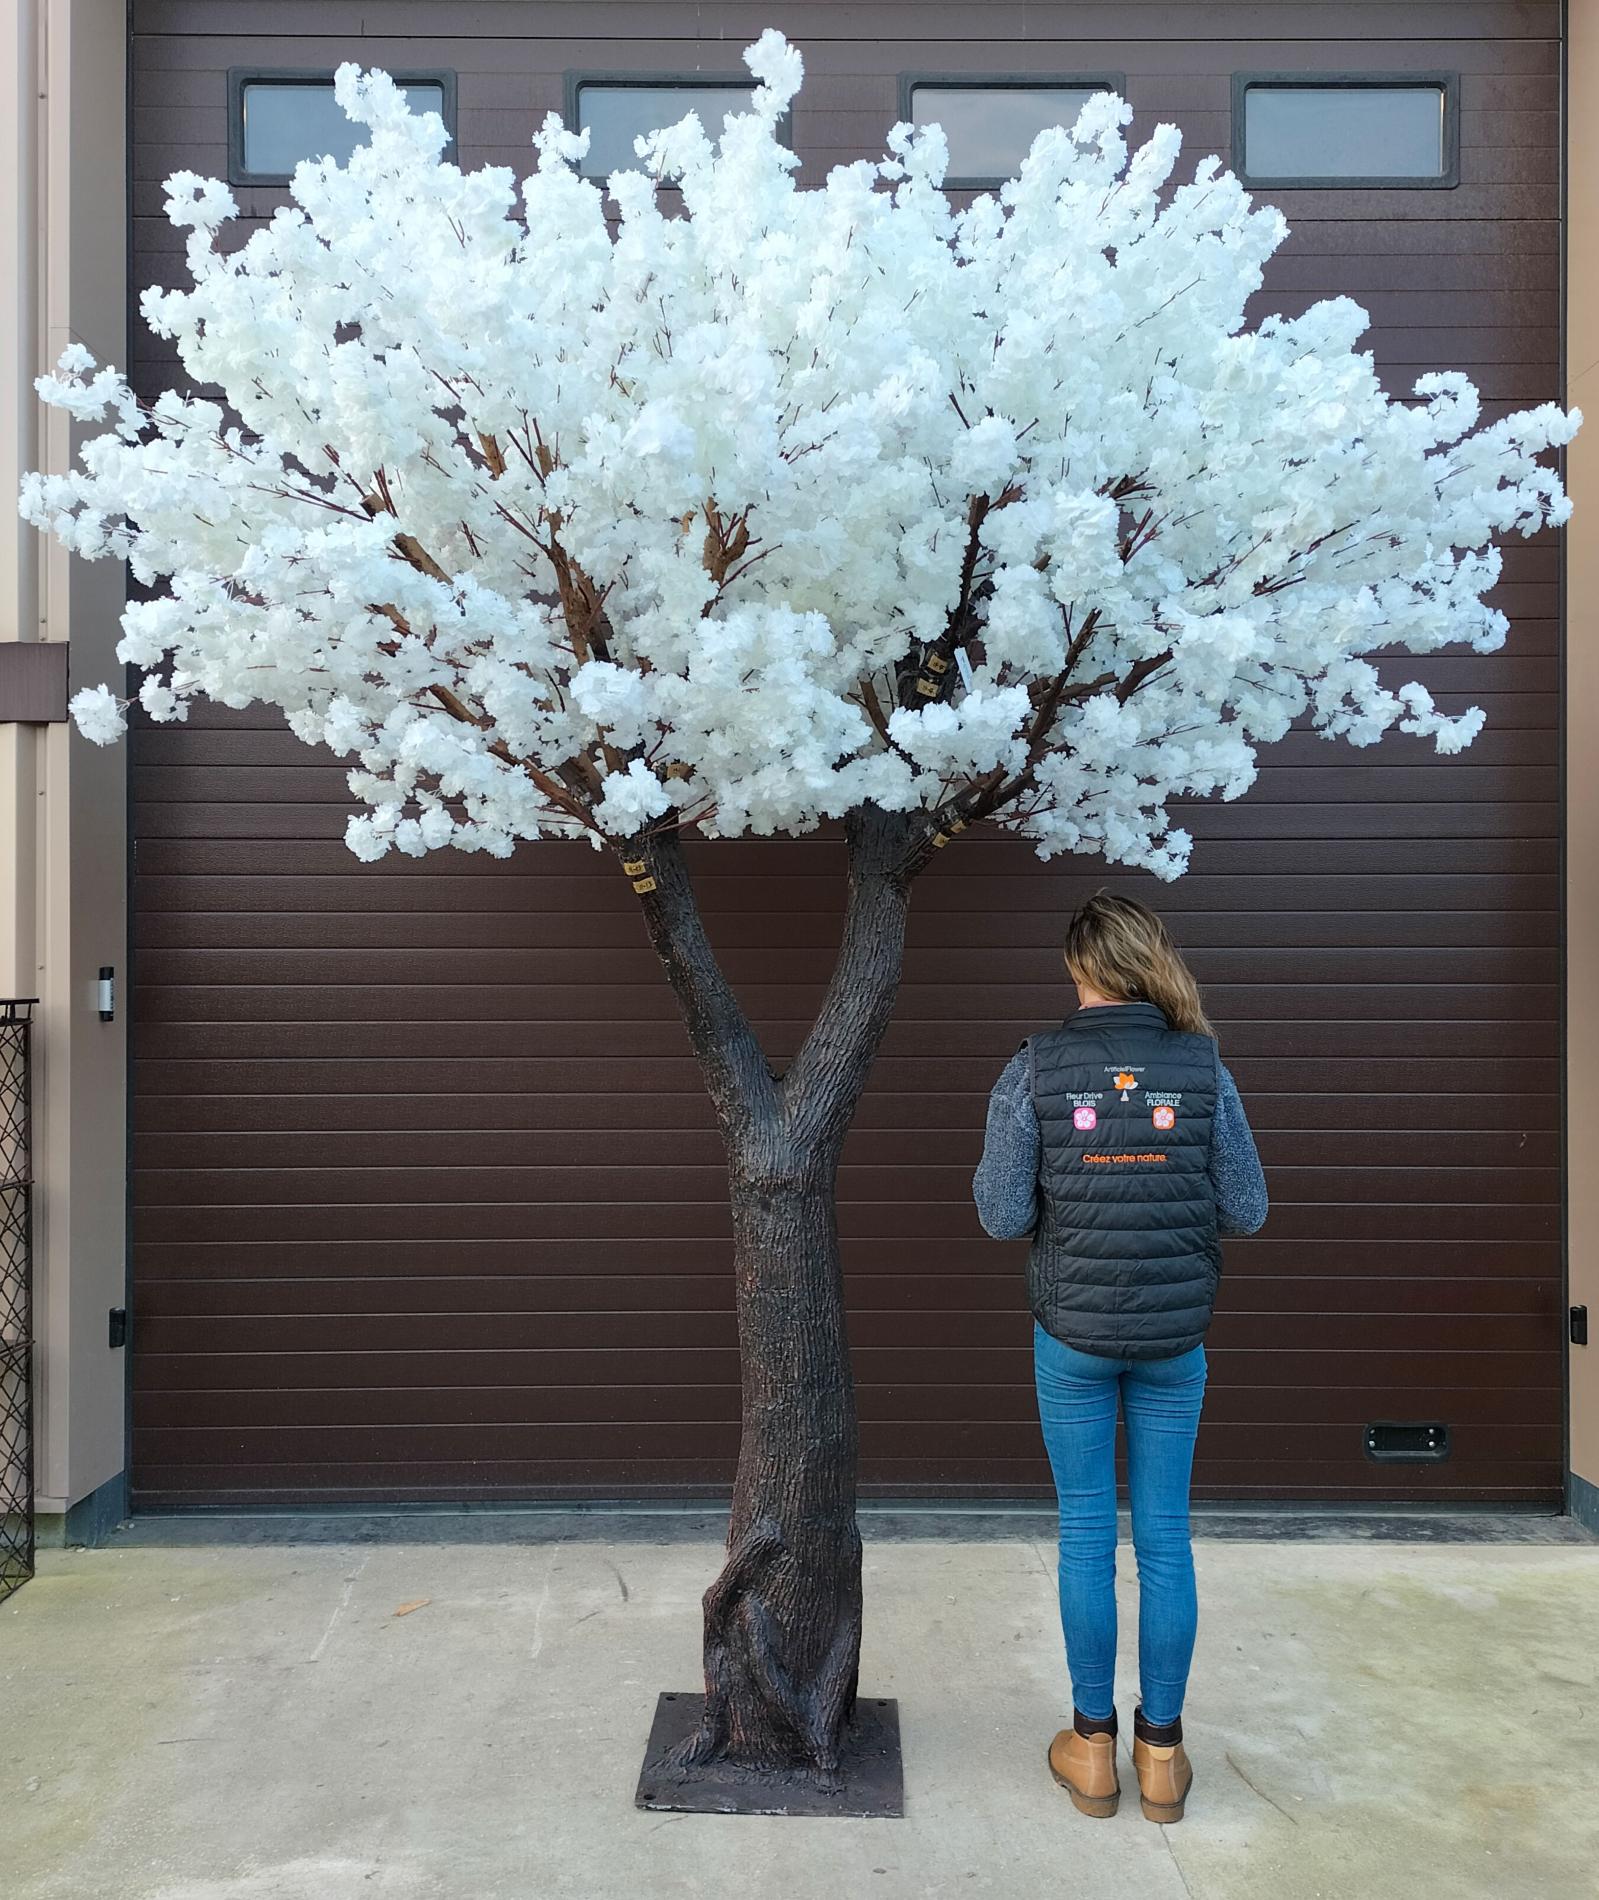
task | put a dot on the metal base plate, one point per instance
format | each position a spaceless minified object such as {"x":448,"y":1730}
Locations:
{"x":871,"y":1781}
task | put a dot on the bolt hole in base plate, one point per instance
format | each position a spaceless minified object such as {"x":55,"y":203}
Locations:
{"x":871,"y":1781}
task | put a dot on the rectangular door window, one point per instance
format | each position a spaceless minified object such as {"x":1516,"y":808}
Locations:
{"x":615,"y":112}
{"x":1365,"y":131}
{"x":278,"y":119}
{"x":990,"y":125}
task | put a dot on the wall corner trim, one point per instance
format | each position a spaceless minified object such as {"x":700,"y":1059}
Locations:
{"x":92,"y":1520}
{"x":1582,"y":1502}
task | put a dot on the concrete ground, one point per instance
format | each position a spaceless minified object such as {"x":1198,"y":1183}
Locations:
{"x":258,"y":1721}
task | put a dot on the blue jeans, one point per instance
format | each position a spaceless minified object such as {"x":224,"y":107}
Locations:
{"x":1160,"y":1401}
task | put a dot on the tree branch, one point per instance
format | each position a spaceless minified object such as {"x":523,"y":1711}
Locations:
{"x":969,"y":807}
{"x":824,"y":1082}
{"x":735,"y":1068}
{"x":411,"y":550}
{"x":572,"y":803}
{"x":996,"y":791}
{"x":1138,"y":673}
{"x":932,"y":678}
{"x":874,"y":711}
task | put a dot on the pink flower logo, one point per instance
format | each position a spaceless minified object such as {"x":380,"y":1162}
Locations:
{"x":1084,"y":1118}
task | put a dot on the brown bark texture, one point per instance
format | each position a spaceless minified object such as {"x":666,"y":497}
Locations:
{"x":783,"y":1619}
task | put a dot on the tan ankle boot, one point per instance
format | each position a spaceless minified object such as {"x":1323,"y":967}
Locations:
{"x":1085,"y":1766}
{"x":1165,"y":1775}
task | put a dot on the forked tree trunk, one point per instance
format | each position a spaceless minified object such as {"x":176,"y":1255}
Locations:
{"x":783,"y":1620}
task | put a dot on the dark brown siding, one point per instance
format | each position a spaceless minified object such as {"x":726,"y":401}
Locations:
{"x":428,"y":1201}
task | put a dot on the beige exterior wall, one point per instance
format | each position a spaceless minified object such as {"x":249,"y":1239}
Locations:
{"x":62,"y":802}
{"x":1582,"y":718}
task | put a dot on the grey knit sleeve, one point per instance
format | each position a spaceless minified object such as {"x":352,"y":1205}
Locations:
{"x":1005,"y":1186}
{"x":1235,"y":1170}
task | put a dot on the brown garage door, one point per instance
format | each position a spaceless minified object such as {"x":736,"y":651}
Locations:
{"x":427,"y":1200}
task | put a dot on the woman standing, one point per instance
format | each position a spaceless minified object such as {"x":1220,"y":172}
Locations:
{"x":1118,"y":1141}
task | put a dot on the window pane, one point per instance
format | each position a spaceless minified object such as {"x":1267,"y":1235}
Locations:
{"x":614,"y":116}
{"x":284,"y":123}
{"x":1344,"y":131}
{"x":991,"y":129}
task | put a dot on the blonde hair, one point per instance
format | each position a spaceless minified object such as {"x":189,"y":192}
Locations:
{"x":1121,"y":948}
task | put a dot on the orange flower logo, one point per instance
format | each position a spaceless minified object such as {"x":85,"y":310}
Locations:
{"x":1126,"y":1081}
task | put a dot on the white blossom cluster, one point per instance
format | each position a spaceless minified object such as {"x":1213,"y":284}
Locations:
{"x":552,"y":528}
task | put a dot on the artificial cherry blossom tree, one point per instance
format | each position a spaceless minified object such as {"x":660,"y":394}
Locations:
{"x":800,"y":506}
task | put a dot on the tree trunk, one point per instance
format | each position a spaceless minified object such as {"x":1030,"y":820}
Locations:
{"x":783,"y":1620}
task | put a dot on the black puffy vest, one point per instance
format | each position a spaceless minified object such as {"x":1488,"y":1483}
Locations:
{"x":1125,"y":1256}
